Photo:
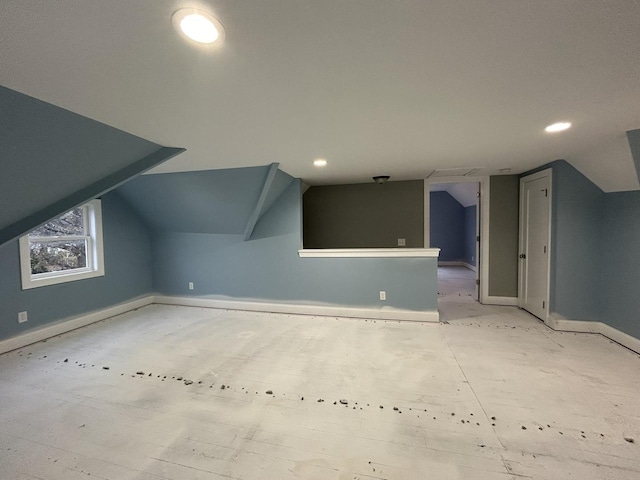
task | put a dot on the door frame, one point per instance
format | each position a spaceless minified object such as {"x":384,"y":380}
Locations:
{"x":482,"y":260}
{"x":547,"y":172}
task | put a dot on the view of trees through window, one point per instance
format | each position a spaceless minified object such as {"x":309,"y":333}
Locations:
{"x":60,"y":244}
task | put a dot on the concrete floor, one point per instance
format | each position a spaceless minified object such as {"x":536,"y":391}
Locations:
{"x":456,"y":284}
{"x":563,"y":403}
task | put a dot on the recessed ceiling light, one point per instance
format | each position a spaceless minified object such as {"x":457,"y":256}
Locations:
{"x":199,"y":26}
{"x":320,"y":162}
{"x":558,"y":127}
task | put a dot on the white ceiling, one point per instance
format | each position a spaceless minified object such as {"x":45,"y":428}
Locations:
{"x":466,"y":193}
{"x":376,"y":87}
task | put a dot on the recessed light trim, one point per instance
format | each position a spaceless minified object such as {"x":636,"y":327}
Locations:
{"x":199,"y":26}
{"x":320,"y":162}
{"x":558,"y":127}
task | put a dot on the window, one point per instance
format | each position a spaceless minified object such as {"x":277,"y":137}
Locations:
{"x":65,"y":249}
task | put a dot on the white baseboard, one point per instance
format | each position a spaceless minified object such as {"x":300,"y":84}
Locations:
{"x":603,"y":329}
{"x":469,"y":266}
{"x":64,"y":326}
{"x":456,"y":263}
{"x":319,"y":310}
{"x":508,"y":301}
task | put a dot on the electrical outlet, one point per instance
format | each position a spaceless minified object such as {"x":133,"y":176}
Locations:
{"x":22,"y":317}
{"x":402,"y":242}
{"x":190,"y":285}
{"x":383,"y":295}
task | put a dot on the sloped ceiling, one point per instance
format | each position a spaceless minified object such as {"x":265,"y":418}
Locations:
{"x":377,"y":87}
{"x":466,"y":193}
{"x":215,"y":201}
{"x":634,"y":143}
{"x":52,"y":160}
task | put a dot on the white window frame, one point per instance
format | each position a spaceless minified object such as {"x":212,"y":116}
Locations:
{"x":95,"y":253}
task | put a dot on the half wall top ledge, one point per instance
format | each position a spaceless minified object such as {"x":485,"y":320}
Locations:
{"x":52,"y":160}
{"x":368,"y":252}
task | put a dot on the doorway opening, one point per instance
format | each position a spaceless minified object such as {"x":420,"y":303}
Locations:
{"x":454,"y":228}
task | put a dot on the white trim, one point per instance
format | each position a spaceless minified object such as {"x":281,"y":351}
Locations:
{"x":456,"y":263}
{"x":483,"y":211}
{"x":624,"y":339}
{"x":368,"y":252}
{"x":318,"y":310}
{"x":67,"y":325}
{"x":473,"y":268}
{"x":74,"y":323}
{"x":95,"y":254}
{"x":508,"y":301}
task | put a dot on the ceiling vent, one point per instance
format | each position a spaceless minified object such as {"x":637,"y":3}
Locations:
{"x":454,"y":172}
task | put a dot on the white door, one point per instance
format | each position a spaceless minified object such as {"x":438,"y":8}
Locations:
{"x":478,"y":220}
{"x":535,"y":240}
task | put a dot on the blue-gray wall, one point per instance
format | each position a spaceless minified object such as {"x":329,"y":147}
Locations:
{"x":576,"y":229}
{"x":52,"y":160}
{"x":447,"y":222}
{"x":619,"y":255}
{"x":127,"y":257}
{"x":267,"y":267}
{"x":470,"y":235}
{"x":210,"y":201}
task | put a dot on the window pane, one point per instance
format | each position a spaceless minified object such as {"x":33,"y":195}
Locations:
{"x":71,"y":223}
{"x":58,"y":256}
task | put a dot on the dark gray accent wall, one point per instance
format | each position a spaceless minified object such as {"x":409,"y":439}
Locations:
{"x":127,"y":257}
{"x":470,"y":234}
{"x":446,"y":226}
{"x":620,"y":262}
{"x":210,"y":201}
{"x":503,"y":235}
{"x":364,"y":215}
{"x":48,"y":155}
{"x":268,"y":268}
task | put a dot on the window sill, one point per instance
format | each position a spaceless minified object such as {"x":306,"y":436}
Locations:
{"x":63,"y":278}
{"x":368,"y":252}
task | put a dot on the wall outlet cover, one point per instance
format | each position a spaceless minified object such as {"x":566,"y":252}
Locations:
{"x":383,"y":295}
{"x":190,"y":285}
{"x":402,"y":242}
{"x":22,"y":317}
